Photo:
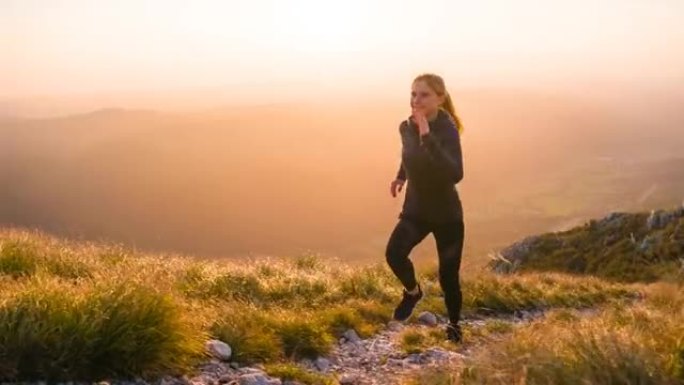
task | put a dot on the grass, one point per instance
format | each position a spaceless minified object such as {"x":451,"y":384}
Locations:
{"x":55,"y":332}
{"x":620,"y":248}
{"x":288,"y":371}
{"x":640,"y":344}
{"x":92,"y":311}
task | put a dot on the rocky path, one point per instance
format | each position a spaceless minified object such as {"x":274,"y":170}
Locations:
{"x":378,"y":360}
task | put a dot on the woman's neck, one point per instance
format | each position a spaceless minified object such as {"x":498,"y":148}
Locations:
{"x":431,"y":117}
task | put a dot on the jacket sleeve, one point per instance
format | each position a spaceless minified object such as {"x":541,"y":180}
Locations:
{"x":446,"y":154}
{"x":401,"y":173}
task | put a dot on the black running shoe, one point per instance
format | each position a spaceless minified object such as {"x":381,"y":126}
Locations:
{"x":453,"y":332}
{"x":403,"y":311}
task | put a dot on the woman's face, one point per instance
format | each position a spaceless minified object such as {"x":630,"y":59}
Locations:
{"x":425,"y":98}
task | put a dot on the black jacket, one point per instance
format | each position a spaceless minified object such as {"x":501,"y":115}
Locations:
{"x":433,"y":165}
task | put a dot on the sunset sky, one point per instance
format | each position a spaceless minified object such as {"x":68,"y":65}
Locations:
{"x":62,"y":47}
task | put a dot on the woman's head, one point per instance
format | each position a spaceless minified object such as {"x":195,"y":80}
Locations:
{"x":428,"y":92}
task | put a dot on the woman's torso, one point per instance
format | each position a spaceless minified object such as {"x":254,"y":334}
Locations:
{"x":429,"y":196}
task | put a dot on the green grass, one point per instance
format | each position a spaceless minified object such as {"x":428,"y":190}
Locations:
{"x":623,"y":249}
{"x":288,"y":371}
{"x":54,"y":332}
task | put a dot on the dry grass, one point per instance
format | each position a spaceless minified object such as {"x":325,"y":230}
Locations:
{"x":640,"y":344}
{"x":83,"y":310}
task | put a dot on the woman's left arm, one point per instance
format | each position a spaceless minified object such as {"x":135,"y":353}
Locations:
{"x":447,"y":153}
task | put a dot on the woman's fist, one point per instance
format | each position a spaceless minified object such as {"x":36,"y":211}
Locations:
{"x":421,"y":121}
{"x":396,"y":186}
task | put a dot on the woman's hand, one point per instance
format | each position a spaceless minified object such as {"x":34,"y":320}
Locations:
{"x":421,"y":121}
{"x":396,"y":186}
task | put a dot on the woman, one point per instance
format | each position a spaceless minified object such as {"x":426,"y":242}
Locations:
{"x":432,"y":162}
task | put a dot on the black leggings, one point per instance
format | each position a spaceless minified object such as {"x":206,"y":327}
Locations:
{"x":449,"y":238}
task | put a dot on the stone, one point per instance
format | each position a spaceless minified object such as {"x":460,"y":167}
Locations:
{"x":351,"y":336}
{"x":394,"y":326}
{"x":427,"y":318}
{"x":349,"y":379}
{"x":323,"y":364}
{"x":254,"y":379}
{"x":437,"y":354}
{"x":219,"y":349}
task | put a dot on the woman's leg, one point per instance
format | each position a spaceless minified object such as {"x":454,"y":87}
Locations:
{"x":449,"y":239}
{"x":404,"y":237}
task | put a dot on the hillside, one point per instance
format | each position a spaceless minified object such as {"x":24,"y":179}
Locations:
{"x":621,"y":246}
{"x":84,"y":311}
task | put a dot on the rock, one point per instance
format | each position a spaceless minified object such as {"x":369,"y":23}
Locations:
{"x":394,"y":326}
{"x":660,"y":218}
{"x":395,"y":362}
{"x":226,"y":378}
{"x":167,"y":380}
{"x":249,"y":370}
{"x":351,"y":336}
{"x":275,"y":381}
{"x":349,"y":379}
{"x":413,"y":358}
{"x":427,"y":318}
{"x":254,"y":379}
{"x":437,"y":354}
{"x":234,"y":365}
{"x":613,"y":221}
{"x":511,"y":257}
{"x":219,"y":349}
{"x":323,"y":364}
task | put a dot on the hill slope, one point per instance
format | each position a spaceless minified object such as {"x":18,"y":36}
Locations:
{"x":621,"y":246}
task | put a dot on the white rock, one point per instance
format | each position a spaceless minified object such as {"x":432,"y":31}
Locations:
{"x":251,"y":370}
{"x":427,"y":318}
{"x":394,"y":325}
{"x":219,"y":349}
{"x":349,"y":379}
{"x":254,"y":379}
{"x":323,"y":364}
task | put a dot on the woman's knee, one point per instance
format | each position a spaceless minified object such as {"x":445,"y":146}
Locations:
{"x":449,"y":276}
{"x":394,"y":253}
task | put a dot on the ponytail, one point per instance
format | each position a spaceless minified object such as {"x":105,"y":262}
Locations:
{"x":448,"y":106}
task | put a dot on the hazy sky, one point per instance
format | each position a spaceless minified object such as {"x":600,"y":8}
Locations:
{"x":82,"y":46}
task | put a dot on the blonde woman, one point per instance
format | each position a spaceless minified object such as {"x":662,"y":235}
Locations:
{"x":431,"y":166}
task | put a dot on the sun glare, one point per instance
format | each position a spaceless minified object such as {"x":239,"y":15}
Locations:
{"x":311,"y":25}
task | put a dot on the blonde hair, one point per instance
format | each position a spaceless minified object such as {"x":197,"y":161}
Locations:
{"x":436,"y":82}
